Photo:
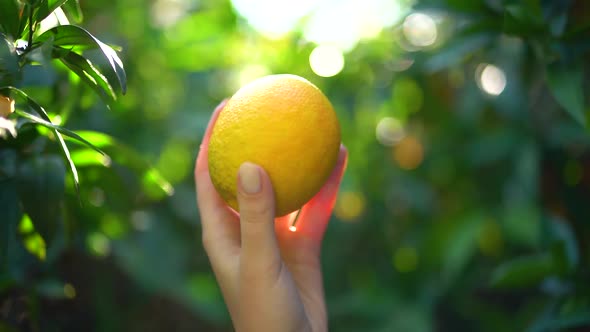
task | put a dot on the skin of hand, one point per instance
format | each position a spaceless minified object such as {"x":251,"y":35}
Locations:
{"x":270,"y":276}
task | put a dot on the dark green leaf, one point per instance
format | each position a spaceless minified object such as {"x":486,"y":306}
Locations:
{"x":10,"y":17}
{"x":457,"y":51}
{"x":154,"y":185}
{"x":562,"y":322}
{"x":8,"y":163}
{"x":70,"y":36}
{"x":462,"y":6}
{"x":45,"y":121}
{"x":524,"y":19}
{"x":37,"y":120}
{"x":524,"y":271}
{"x":557,"y":14}
{"x":565,"y":244}
{"x":89,"y":74}
{"x":572,"y":320}
{"x":566,"y":84}
{"x":60,"y":139}
{"x":10,"y":217}
{"x":46,"y":7}
{"x":9,"y":69}
{"x":41,"y":188}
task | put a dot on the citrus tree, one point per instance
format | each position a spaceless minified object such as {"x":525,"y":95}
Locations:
{"x":463,"y":207}
{"x":48,"y":65}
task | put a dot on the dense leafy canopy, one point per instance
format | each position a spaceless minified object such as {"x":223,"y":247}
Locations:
{"x":465,"y":202}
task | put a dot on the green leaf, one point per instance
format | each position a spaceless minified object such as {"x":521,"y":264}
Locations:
{"x":564,"y":244}
{"x":9,"y":68}
{"x":41,"y":188}
{"x":566,"y":84}
{"x":9,"y":206}
{"x":46,"y":7}
{"x":524,"y":271}
{"x":89,"y":74}
{"x":563,"y":322}
{"x":71,"y":36}
{"x":32,"y":240}
{"x":461,"y":6}
{"x":46,"y":121}
{"x":74,"y":9}
{"x":524,"y":19}
{"x":37,"y":120}
{"x":8,"y":163}
{"x":154,"y":185}
{"x":456,"y":51}
{"x":88,"y":157}
{"x":10,"y":17}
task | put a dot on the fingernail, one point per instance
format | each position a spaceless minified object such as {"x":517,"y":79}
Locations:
{"x":249,"y":176}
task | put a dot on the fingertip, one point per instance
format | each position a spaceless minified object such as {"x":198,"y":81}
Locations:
{"x":255,"y":193}
{"x":249,"y":178}
{"x":342,"y":157}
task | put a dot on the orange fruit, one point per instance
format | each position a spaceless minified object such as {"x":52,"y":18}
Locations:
{"x":284,"y":124}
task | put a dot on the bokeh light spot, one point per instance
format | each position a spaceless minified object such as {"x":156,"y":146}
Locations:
{"x":349,"y":205}
{"x":405,"y":259}
{"x":344,"y":23}
{"x":249,"y":73}
{"x":98,"y":244}
{"x":96,"y":197}
{"x":273,"y":18}
{"x":69,"y":291}
{"x":491,"y":79}
{"x":141,"y":220}
{"x":167,"y":12}
{"x":401,"y":64}
{"x":175,"y":160}
{"x":420,"y":30}
{"x":326,"y":61}
{"x":113,"y":225}
{"x":389,"y":131}
{"x":407,"y":97}
{"x":408,"y":153}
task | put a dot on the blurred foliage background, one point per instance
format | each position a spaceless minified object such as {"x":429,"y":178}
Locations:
{"x":465,"y":202}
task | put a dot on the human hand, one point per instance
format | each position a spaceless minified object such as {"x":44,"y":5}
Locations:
{"x":270,"y":276}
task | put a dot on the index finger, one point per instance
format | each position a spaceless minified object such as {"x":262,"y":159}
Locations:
{"x":211,"y":207}
{"x":202,"y":162}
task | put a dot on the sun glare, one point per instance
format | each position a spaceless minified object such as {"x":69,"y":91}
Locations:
{"x":273,"y":18}
{"x":326,"y":61}
{"x":342,"y":23}
{"x":420,"y":30}
{"x":389,"y":131}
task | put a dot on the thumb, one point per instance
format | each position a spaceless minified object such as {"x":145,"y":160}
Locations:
{"x":260,"y":256}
